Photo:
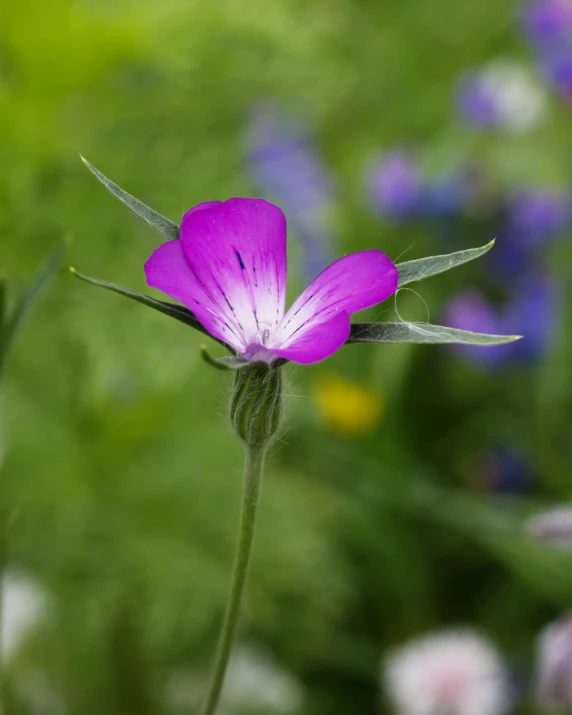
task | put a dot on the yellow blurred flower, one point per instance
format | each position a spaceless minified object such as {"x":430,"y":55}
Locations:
{"x":347,"y":408}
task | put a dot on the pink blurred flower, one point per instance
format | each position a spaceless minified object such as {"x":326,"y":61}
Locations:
{"x":448,"y":673}
{"x":554,"y":666}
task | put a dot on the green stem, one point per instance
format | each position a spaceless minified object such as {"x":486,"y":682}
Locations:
{"x":251,"y":491}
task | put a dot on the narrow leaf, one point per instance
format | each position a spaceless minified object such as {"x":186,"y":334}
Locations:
{"x":422,"y":333}
{"x":178,"y":312}
{"x":432,"y":265}
{"x":32,"y":292}
{"x":160,"y":223}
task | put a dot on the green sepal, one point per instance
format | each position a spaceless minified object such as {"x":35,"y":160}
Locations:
{"x":227,"y":362}
{"x":422,"y":333}
{"x":10,"y":324}
{"x":256,"y":404}
{"x":169,"y":229}
{"x":421,"y":268}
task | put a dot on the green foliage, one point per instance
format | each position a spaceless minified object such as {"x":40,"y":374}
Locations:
{"x":119,"y":459}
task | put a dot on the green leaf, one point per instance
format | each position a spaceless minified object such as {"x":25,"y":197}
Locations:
{"x":169,"y":229}
{"x":422,"y":333}
{"x":11,"y":324}
{"x":432,"y":265}
{"x":178,"y":312}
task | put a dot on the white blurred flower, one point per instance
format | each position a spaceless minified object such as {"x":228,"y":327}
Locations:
{"x":449,"y":673}
{"x":504,"y":94}
{"x":553,"y":527}
{"x":254,"y":683}
{"x":554,"y":666}
{"x":24,"y":602}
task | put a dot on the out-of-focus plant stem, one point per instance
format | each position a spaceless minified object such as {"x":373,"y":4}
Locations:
{"x":253,"y":469}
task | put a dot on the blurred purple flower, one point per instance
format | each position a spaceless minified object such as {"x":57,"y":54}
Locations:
{"x":557,"y":68}
{"x":470,"y":310}
{"x":394,"y":184}
{"x":531,"y":310}
{"x":506,"y":470}
{"x":547,"y":22}
{"x":285,"y":165}
{"x":535,"y":216}
{"x":476,"y":103}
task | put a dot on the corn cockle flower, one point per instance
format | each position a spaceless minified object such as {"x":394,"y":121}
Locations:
{"x":226,"y":264}
{"x":229,"y":267}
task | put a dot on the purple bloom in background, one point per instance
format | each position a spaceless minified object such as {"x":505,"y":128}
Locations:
{"x":547,"y":22}
{"x":476,"y":103}
{"x":285,"y":165}
{"x":531,"y":310}
{"x":394,"y":184}
{"x":535,"y":216}
{"x":557,"y":68}
{"x":470,"y":310}
{"x":506,"y":470}
{"x":229,"y":267}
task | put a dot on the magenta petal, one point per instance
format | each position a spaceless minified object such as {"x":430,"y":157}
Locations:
{"x":169,"y":271}
{"x":201,"y":207}
{"x":318,"y":343}
{"x":352,"y":283}
{"x":237,"y":250}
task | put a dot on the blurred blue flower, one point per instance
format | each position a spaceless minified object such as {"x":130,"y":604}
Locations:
{"x":394,"y":183}
{"x":470,"y":310}
{"x":531,"y":218}
{"x":476,"y":103}
{"x":557,"y":68}
{"x":530,"y":310}
{"x":501,"y":468}
{"x":283,"y":162}
{"x":547,"y":22}
{"x":536,"y":216}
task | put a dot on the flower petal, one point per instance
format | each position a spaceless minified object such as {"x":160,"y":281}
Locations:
{"x":237,"y":251}
{"x":169,"y":271}
{"x":321,"y":341}
{"x":352,"y":283}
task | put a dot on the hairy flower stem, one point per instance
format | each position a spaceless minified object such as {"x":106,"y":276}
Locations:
{"x":251,"y":490}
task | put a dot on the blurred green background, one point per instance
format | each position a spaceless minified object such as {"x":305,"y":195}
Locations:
{"x":121,"y":478}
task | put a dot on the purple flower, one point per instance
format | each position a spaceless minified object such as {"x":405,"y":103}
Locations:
{"x":470,"y":310}
{"x":535,"y":216}
{"x":531,"y":310}
{"x":547,"y":22}
{"x":557,"y":68}
{"x":394,"y":184}
{"x":506,"y":470}
{"x":229,"y":267}
{"x":476,"y":103}
{"x":284,"y":163}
